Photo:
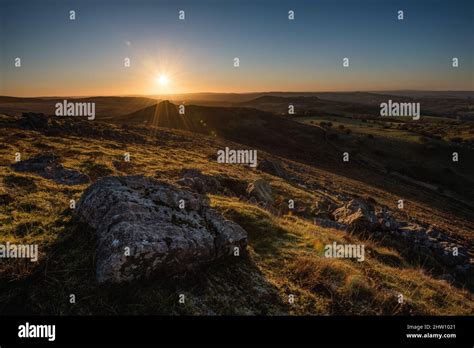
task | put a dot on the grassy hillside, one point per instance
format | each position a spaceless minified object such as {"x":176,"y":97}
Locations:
{"x":422,"y":151}
{"x":285,"y":252}
{"x":106,"y":106}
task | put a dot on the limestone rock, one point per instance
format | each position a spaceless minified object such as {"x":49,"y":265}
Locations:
{"x":261,"y":191}
{"x":358,"y":215}
{"x":387,"y":221}
{"x":143,"y":214}
{"x":48,"y":167}
{"x":34,"y":121}
{"x":199,"y":182}
{"x":272,"y":168}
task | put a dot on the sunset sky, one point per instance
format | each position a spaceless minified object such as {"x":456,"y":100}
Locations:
{"x":86,"y":56}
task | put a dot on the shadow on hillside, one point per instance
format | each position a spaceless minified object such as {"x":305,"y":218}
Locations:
{"x":233,"y":286}
{"x":277,"y":135}
{"x":294,"y":141}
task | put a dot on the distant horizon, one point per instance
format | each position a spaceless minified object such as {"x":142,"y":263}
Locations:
{"x":244,"y":93}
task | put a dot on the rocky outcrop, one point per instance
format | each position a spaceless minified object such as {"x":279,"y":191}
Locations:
{"x":199,"y":182}
{"x":54,"y":126}
{"x":272,"y":168}
{"x":323,"y":208}
{"x":34,"y":121}
{"x":261,"y":191}
{"x":358,"y":215}
{"x":440,"y":246}
{"x":147,"y":218}
{"x":386,"y":221}
{"x":48,"y":167}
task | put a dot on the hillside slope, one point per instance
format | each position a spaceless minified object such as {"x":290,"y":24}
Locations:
{"x":250,"y":127}
{"x":285,"y":253}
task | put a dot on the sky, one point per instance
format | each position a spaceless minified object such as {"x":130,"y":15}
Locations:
{"x":61,"y":57}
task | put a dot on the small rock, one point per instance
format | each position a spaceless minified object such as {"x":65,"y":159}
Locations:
{"x":261,"y":190}
{"x":358,"y":215}
{"x":199,"y":182}
{"x":323,"y":208}
{"x":432,"y":232}
{"x":31,"y":120}
{"x":48,"y":167}
{"x":272,"y":168}
{"x":386,"y":220}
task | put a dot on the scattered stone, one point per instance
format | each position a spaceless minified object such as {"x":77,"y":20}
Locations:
{"x":261,"y":190}
{"x":199,"y":182}
{"x":323,"y":208}
{"x":386,"y":220}
{"x":434,"y":233}
{"x":272,"y":168}
{"x":143,"y":214}
{"x":358,"y":215}
{"x":34,"y":121}
{"x":434,"y":243}
{"x":48,"y":167}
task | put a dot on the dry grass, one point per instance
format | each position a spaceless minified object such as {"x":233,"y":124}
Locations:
{"x":285,"y":253}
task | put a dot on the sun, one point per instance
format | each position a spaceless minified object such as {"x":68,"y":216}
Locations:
{"x":162,"y":80}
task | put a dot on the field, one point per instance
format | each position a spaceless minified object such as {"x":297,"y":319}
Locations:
{"x":285,"y":255}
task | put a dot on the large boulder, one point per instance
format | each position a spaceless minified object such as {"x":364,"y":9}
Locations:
{"x":145,"y":217}
{"x":358,"y":215}
{"x":261,"y":191}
